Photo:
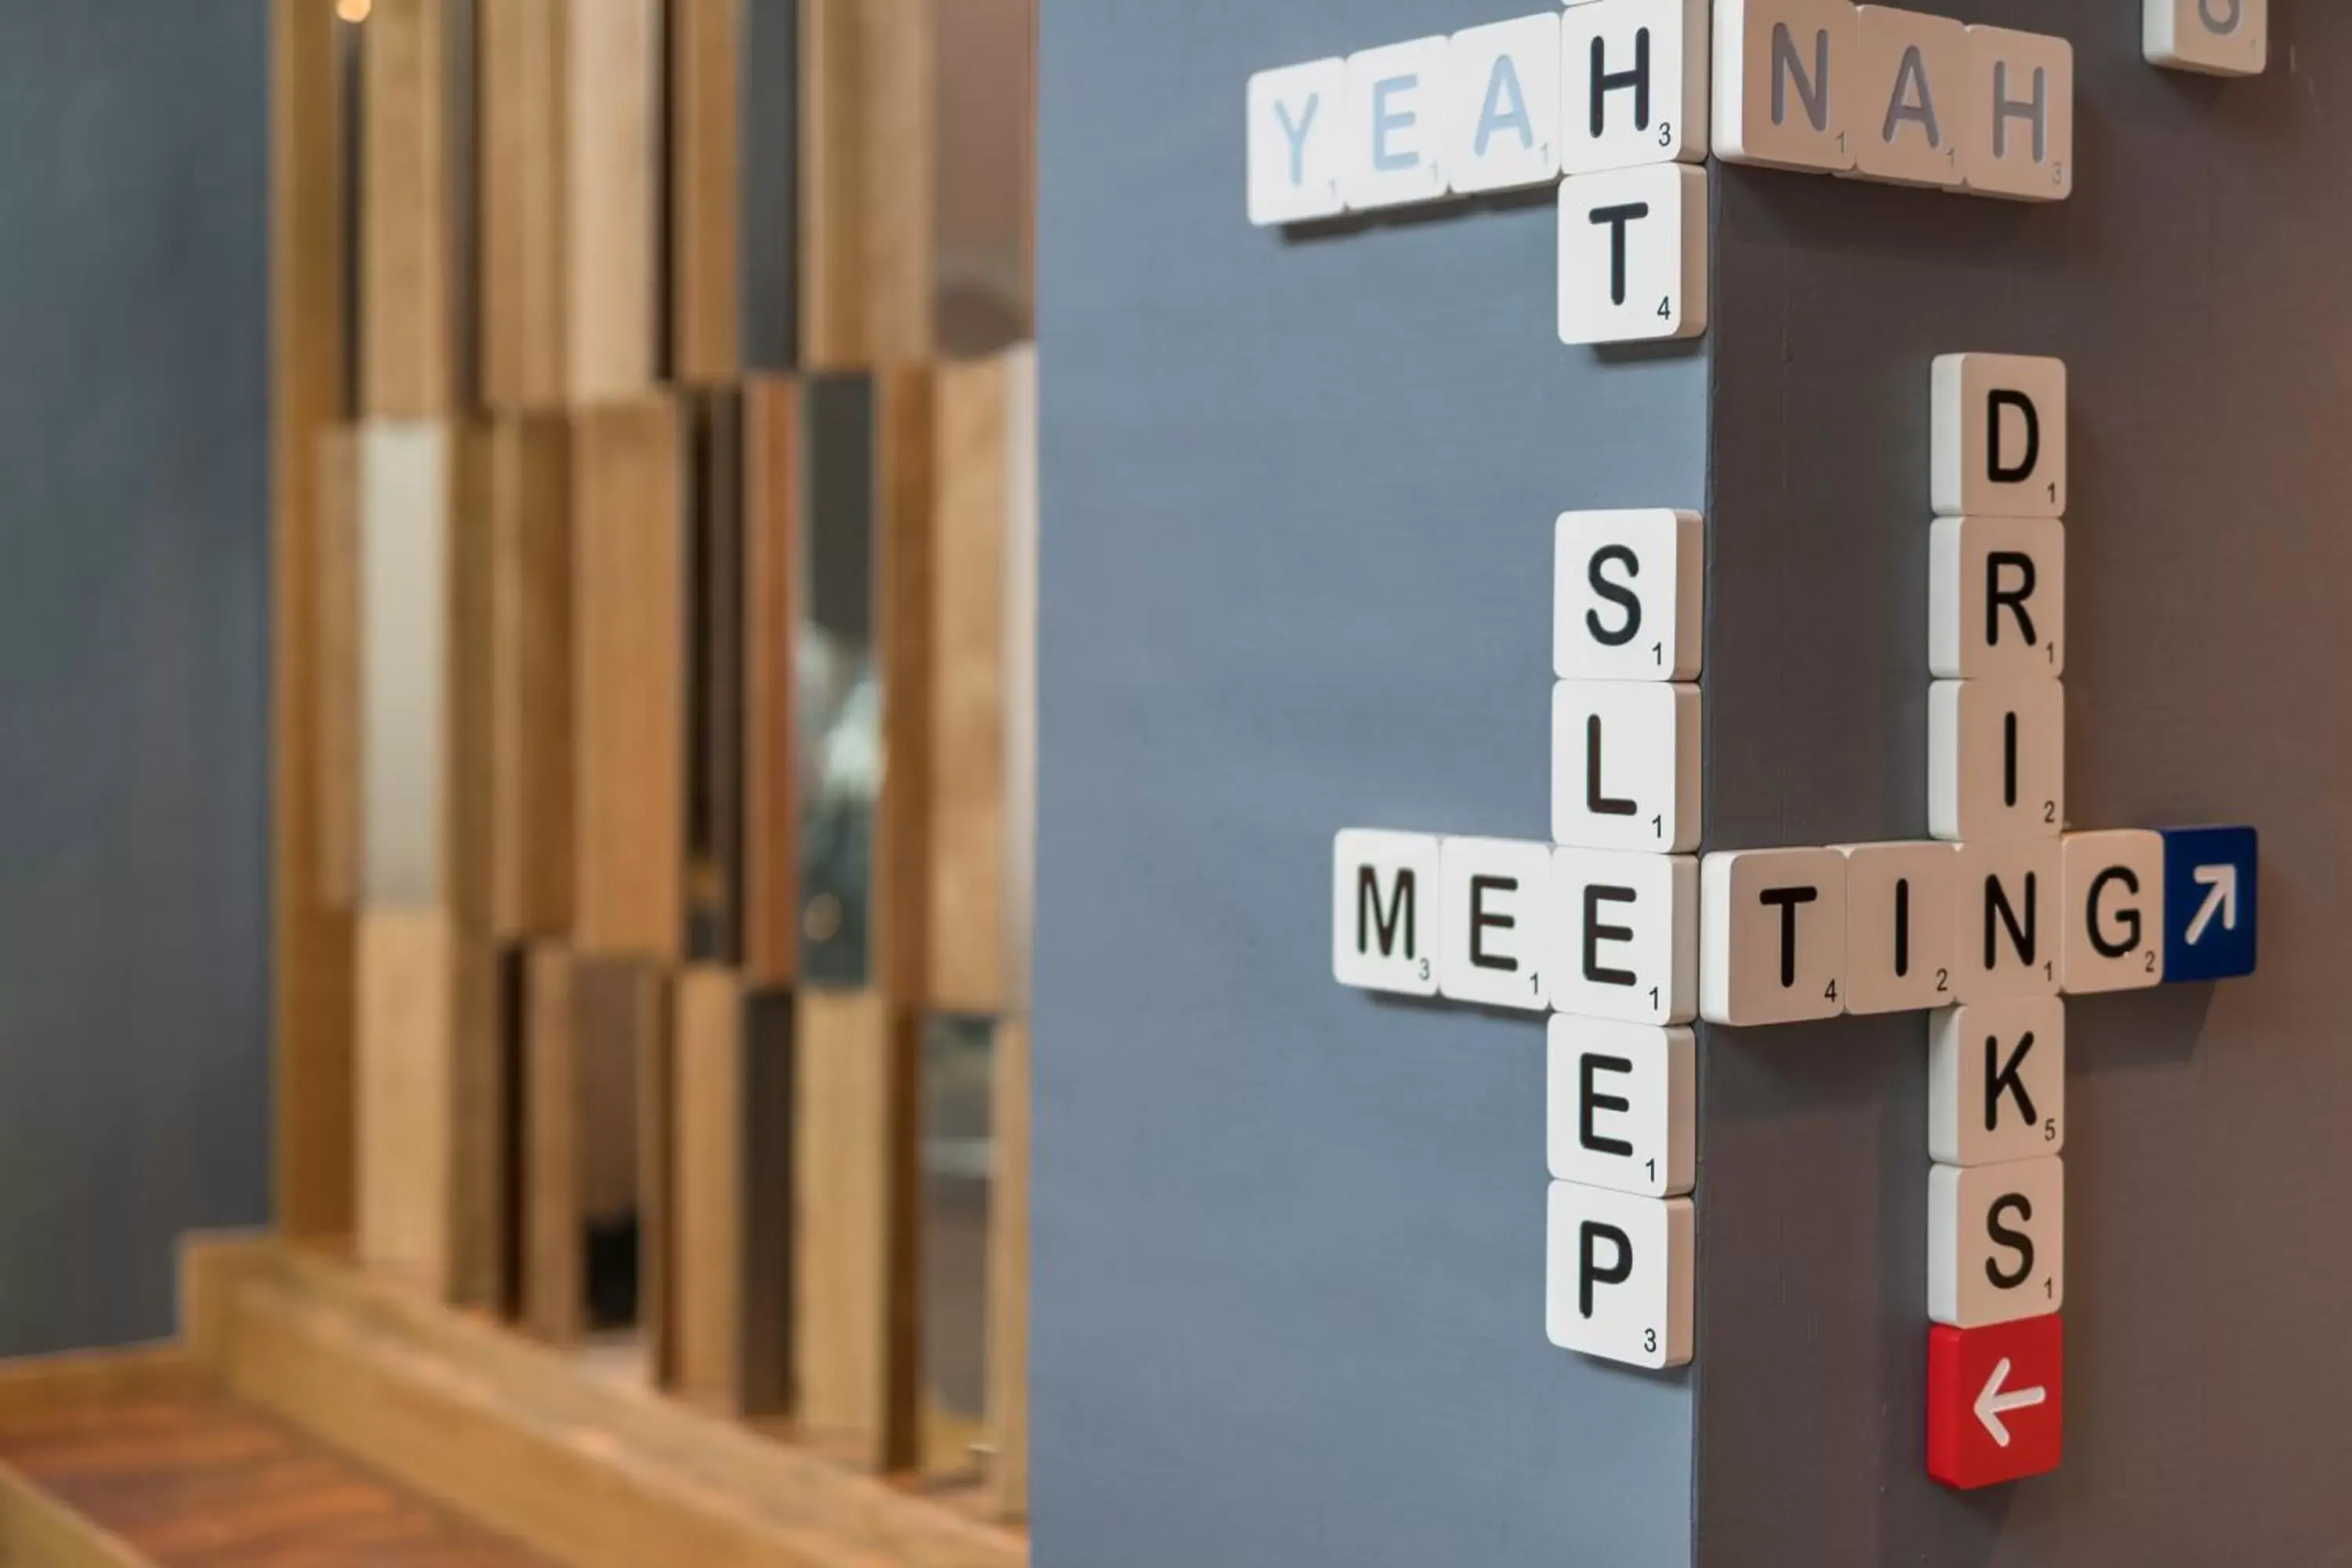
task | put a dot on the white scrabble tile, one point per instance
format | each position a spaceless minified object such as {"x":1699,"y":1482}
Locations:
{"x":1626,"y":764}
{"x":1900,"y":936}
{"x":1997,"y":1081}
{"x":1997,"y":598}
{"x":1494,"y":930}
{"x":1627,"y":591}
{"x":2020,"y":142}
{"x":1626,"y":930}
{"x":2218,"y":38}
{"x":1632,"y":77}
{"x":1785,"y":80}
{"x":2007,"y":914}
{"x":1912,"y":103}
{"x":1395,"y":127}
{"x":1617,"y":1275}
{"x":2000,"y":436}
{"x":1633,"y":255}
{"x":1503,"y":104}
{"x":1996,"y":759}
{"x":2113,"y":910}
{"x":1996,"y":1241}
{"x":1296,"y":141}
{"x":1384,"y":910}
{"x":1773,"y":931}
{"x":1620,"y":1106}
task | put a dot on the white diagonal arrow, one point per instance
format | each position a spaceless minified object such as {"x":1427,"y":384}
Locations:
{"x":1993,"y":1403}
{"x":2222,"y":880}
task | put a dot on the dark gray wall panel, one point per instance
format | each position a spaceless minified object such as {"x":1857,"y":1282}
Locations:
{"x":2196,"y":287}
{"x":133,"y":616}
{"x":1296,"y":536}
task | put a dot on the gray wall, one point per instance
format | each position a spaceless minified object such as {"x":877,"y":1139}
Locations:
{"x":1297,"y":505}
{"x":2196,"y":286}
{"x":133,"y":613}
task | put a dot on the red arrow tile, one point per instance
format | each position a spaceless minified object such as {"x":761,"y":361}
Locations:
{"x":1996,"y":1401}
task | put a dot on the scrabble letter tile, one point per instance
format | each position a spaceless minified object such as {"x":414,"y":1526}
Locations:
{"x":1996,"y":759}
{"x":1296,"y":142}
{"x":2021,"y":141}
{"x":1996,"y":1241}
{"x":1395,"y":124}
{"x":1996,"y":1401}
{"x":2113,"y":910}
{"x":1997,"y":1081}
{"x":1771,"y":942}
{"x":2008,"y":914}
{"x":2000,"y":428}
{"x":1626,"y":589}
{"x":1911,"y":106}
{"x":2219,"y":38}
{"x":1626,"y":926}
{"x":1624,"y":765}
{"x":1997,"y":598}
{"x":1620,"y":1106}
{"x":2208,"y":902}
{"x":1633,"y":255}
{"x":1899,"y":922}
{"x":1785,"y":82}
{"x":1384,"y":910}
{"x":1632,"y":80}
{"x":1494,"y":928}
{"x":1617,"y":1275}
{"x":1503,"y":104}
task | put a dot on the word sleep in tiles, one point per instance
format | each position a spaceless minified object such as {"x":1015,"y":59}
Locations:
{"x":1621,"y":1105}
{"x":1617,"y":1275}
{"x":1626,"y":594}
{"x":1996,"y":1241}
{"x":1627,"y":929}
{"x":1626,"y":764}
{"x":2214,"y":37}
{"x":1997,"y":1081}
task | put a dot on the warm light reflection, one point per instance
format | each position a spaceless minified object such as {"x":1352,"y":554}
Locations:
{"x":353,"y":10}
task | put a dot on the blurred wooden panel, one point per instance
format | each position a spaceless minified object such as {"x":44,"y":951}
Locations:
{"x":854,"y":1325}
{"x":985,"y":167}
{"x":469,"y":856}
{"x":334,"y":667}
{"x":612,"y":79}
{"x":966,"y":903}
{"x":958,"y":1052}
{"x":906,"y":581}
{"x":554,"y":1290}
{"x":656,"y":1112}
{"x":1008,"y":1273}
{"x":524,"y":235}
{"x":407,"y":319}
{"x":312,"y":949}
{"x":715,"y":714}
{"x":406,"y":485}
{"x":629,"y":680}
{"x":1020,"y":671}
{"x":866,"y":198}
{"x":706,"y":164}
{"x":529,"y":675}
{"x":429,"y":1105}
{"x":732,"y":1220}
{"x":772,"y":544}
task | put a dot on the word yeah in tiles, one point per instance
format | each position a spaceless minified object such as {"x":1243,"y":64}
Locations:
{"x":1624,"y":934}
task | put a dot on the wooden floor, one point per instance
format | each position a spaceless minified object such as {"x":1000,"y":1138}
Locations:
{"x":199,"y":1479}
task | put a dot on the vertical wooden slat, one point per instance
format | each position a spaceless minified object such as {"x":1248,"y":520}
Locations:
{"x":656,"y":1060}
{"x":629,"y":681}
{"x":333,"y":668}
{"x":469,"y":853}
{"x":407,"y":319}
{"x":772,"y":543}
{"x":709,"y":1190}
{"x":905,"y":583}
{"x":768,"y":171}
{"x":524,"y":236}
{"x":554,"y":1292}
{"x":405,"y":1049}
{"x":705,"y":180}
{"x":613,"y":65}
{"x":529,"y":675}
{"x":1020,"y":667}
{"x":311,"y":947}
{"x":984,"y":172}
{"x":966,"y":896}
{"x":867,"y":213}
{"x":1008,"y":1273}
{"x":476,"y":1108}
{"x":715,"y":766}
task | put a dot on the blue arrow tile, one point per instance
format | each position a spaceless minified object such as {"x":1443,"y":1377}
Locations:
{"x":2210,"y":903}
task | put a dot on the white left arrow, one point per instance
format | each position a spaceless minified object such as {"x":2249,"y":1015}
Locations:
{"x":2222,"y":898}
{"x":1995,"y":1403}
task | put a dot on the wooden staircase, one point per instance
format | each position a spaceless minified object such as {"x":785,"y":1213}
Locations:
{"x":311,"y":1415}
